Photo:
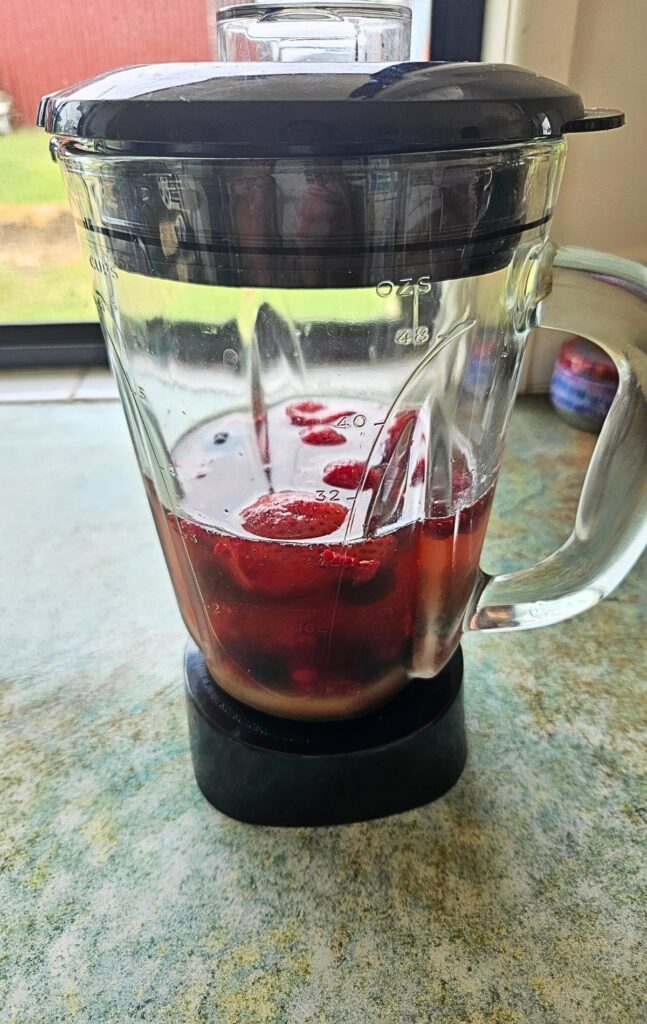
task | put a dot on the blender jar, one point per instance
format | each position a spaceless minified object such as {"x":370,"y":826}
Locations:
{"x":316,"y":289}
{"x":320,"y":31}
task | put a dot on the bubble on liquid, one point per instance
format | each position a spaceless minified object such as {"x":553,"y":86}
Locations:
{"x":220,"y":437}
{"x":230,"y":358}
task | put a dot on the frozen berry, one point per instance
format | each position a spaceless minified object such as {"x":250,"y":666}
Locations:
{"x":418,"y":475}
{"x":305,"y":681}
{"x":347,"y":474}
{"x":471,"y":516}
{"x":331,"y":559}
{"x":322,"y":436}
{"x":267,"y":568}
{"x":461,"y":475}
{"x":440,"y":526}
{"x":398,"y":424}
{"x":357,"y":570}
{"x":287,"y":515}
{"x":300,"y":412}
{"x":314,"y":414}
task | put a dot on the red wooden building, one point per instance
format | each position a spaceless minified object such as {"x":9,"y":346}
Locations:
{"x":48,"y":44}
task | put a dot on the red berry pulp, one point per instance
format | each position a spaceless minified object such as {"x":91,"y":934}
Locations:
{"x":322,"y":436}
{"x":296,"y":610}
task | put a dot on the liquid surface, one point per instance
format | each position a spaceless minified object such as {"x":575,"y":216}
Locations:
{"x":315,"y":564}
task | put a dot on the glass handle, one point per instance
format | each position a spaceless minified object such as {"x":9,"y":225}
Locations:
{"x":603,"y":298}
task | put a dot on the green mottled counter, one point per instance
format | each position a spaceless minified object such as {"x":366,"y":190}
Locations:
{"x":519,"y":897}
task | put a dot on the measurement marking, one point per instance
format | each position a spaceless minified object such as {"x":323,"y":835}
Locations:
{"x":352,"y":498}
{"x":380,"y":423}
{"x":416,"y":317}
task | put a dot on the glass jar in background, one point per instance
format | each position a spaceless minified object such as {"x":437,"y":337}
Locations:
{"x":320,"y":32}
{"x":584,"y":384}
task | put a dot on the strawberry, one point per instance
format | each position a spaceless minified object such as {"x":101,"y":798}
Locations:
{"x":356,"y":569}
{"x":300,"y":412}
{"x":461,"y":482}
{"x":305,"y":681}
{"x":331,"y":559}
{"x":461,"y":475}
{"x":322,"y":435}
{"x":399,"y":422}
{"x":469,"y":517}
{"x":269,"y":569}
{"x":440,"y":527}
{"x":348,"y":473}
{"x":313,"y":414}
{"x":364,"y":570}
{"x":359,"y":562}
{"x":287,"y":515}
{"x":418,"y":475}
{"x":334,"y":417}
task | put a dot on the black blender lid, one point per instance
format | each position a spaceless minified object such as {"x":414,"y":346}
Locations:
{"x":316,"y":110}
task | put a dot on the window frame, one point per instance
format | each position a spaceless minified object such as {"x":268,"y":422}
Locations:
{"x":456,"y":35}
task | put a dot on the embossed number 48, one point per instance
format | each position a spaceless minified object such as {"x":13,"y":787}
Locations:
{"x":408,"y":336}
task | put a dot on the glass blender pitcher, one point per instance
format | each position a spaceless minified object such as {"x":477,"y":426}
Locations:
{"x":316,"y":286}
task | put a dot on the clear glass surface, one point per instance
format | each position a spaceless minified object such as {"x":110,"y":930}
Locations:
{"x":315,"y":32}
{"x":318,"y":361}
{"x":602,"y":298}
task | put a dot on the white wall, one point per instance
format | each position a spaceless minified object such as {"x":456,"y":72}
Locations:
{"x":599,"y":47}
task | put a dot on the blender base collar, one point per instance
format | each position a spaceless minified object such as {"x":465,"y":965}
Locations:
{"x":267,"y":770}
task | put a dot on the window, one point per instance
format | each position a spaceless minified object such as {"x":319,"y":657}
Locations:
{"x":46,"y":311}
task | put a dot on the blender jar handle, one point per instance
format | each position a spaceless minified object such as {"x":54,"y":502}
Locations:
{"x":603,"y":298}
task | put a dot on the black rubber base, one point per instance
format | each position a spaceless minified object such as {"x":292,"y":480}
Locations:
{"x":276,"y":771}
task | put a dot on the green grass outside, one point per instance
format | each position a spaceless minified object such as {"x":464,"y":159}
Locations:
{"x":58,"y":293}
{"x":145,"y":298}
{"x":62,"y":291}
{"x":27,"y":173}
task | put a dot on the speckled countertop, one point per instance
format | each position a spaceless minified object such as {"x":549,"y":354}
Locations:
{"x":519,"y":897}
